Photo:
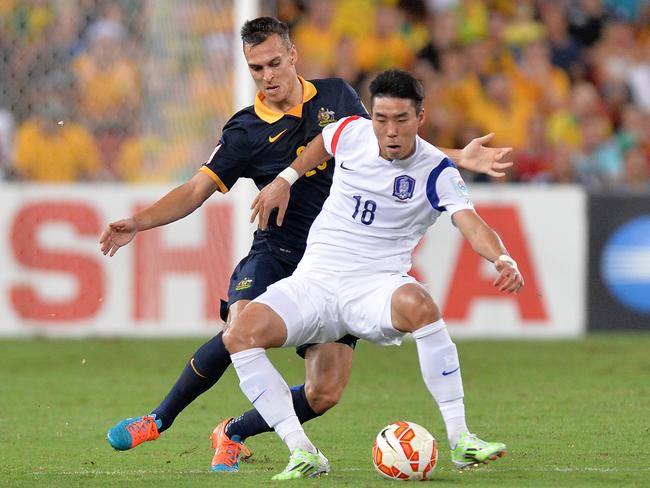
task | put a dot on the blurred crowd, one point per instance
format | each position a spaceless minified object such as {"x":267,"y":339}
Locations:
{"x":112,"y":90}
{"x":126,"y":90}
{"x":565,"y":83}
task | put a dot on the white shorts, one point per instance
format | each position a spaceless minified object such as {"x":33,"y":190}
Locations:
{"x":320,"y":306}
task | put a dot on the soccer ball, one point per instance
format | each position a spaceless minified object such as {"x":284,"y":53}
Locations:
{"x":404,"y":451}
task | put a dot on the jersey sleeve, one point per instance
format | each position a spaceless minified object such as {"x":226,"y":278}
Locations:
{"x":332,"y":133}
{"x":354,"y":109}
{"x":446,"y":189}
{"x":226,"y":164}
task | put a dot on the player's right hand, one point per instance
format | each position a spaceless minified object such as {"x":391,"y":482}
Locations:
{"x":117,"y":234}
{"x":509,"y":279}
{"x":274,"y":195}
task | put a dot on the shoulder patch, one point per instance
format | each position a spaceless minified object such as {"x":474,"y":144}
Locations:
{"x":459,"y":185}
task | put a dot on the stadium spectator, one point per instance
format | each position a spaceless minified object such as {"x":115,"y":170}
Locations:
{"x":109,"y":87}
{"x":635,"y":176}
{"x":613,"y":55}
{"x":570,"y":60}
{"x":535,"y":158}
{"x":53,"y":148}
{"x":414,"y":26}
{"x":108,"y":80}
{"x":563,"y":124}
{"x":349,"y":71}
{"x":443,"y":35}
{"x":355,"y":19}
{"x":443,"y":115}
{"x":597,"y":161}
{"x":210,"y":87}
{"x":562,"y":170}
{"x":6,"y":142}
{"x":638,"y":76}
{"x":288,"y":11}
{"x":472,"y":18}
{"x":36,"y":44}
{"x":502,"y":110}
{"x":386,"y":47}
{"x":149,"y":157}
{"x":537,"y":80}
{"x":566,"y":51}
{"x":316,"y":39}
{"x":586,"y":21}
{"x":500,"y":52}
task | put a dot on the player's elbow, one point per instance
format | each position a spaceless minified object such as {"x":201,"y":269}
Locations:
{"x":198,"y":189}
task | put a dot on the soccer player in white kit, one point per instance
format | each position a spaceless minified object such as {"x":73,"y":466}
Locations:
{"x":389,"y":187}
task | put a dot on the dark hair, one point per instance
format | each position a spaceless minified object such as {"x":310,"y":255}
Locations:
{"x":396,"y":83}
{"x":258,"y":30}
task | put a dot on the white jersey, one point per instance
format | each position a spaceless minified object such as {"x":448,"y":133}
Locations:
{"x":378,"y":210}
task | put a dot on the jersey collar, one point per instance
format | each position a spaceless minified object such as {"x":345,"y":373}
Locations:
{"x":270,"y":116}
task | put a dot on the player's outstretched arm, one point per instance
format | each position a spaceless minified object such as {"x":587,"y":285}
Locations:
{"x":480,"y":159}
{"x":175,"y":205}
{"x":487,"y":243}
{"x":276,"y":194}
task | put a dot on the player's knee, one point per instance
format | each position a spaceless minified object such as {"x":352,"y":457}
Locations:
{"x":412,"y":308}
{"x":240,"y":335}
{"x":232,"y":339}
{"x":323,"y":397}
{"x":257,"y":326}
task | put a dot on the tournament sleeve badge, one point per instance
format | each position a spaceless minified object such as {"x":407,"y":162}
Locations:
{"x":460,"y":186}
{"x":403,"y":187}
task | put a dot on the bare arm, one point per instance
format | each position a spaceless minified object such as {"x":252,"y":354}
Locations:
{"x":480,"y":159}
{"x":175,"y":205}
{"x":487,"y":243}
{"x":276,"y":194}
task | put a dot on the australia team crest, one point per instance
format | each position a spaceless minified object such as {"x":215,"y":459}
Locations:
{"x":403,"y":187}
{"x":325,"y":117}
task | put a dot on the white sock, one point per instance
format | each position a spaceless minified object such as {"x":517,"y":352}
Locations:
{"x":441,"y":373}
{"x":270,"y":395}
{"x":455,"y":427}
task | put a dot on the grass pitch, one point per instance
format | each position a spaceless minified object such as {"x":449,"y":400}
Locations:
{"x":572,"y":413}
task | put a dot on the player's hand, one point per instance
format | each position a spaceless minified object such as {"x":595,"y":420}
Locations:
{"x":509,"y":279}
{"x":489,"y":160}
{"x":274,"y":195}
{"x":117,"y":234}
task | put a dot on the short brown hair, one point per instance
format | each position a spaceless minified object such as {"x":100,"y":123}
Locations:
{"x":258,"y":30}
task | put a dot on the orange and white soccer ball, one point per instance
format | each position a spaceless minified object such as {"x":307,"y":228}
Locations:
{"x":404,"y":451}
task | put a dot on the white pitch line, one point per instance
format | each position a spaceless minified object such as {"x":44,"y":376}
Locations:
{"x":585,"y":469}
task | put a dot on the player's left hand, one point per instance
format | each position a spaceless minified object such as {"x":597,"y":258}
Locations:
{"x":274,"y":195}
{"x":489,"y":160}
{"x":509,"y":279}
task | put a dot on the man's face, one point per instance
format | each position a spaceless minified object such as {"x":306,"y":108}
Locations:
{"x":272,"y":66}
{"x":396,"y":123}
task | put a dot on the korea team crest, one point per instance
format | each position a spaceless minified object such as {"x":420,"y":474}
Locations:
{"x":325,"y":117}
{"x":403,"y":187}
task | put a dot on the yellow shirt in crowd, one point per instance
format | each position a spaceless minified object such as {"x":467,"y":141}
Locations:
{"x":67,"y":154}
